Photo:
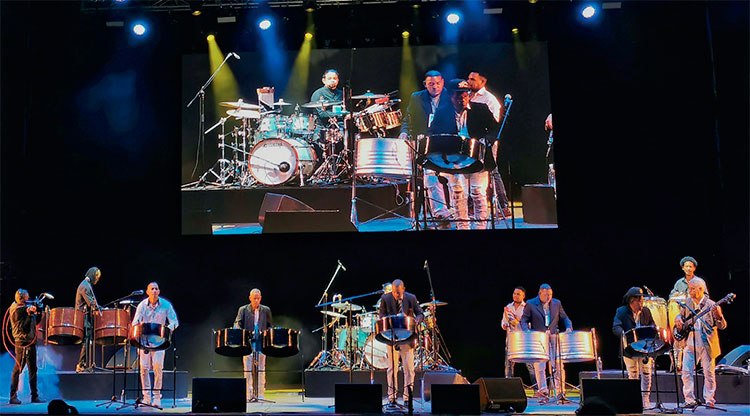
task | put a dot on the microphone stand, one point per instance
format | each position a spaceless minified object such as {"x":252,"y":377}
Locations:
{"x":202,"y":121}
{"x":509,"y":103}
{"x":323,"y":356}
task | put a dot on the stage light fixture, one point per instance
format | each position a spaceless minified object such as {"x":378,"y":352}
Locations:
{"x":588,"y":12}
{"x":211,"y":38}
{"x":405,"y":34}
{"x":139,"y":29}
{"x":514,"y":30}
{"x":264,"y":24}
{"x":308,"y":36}
{"x":453,"y":18}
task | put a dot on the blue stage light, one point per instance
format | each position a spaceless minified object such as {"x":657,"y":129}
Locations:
{"x":264,"y":24}
{"x":588,"y":12}
{"x":139,"y":29}
{"x":453,"y":18}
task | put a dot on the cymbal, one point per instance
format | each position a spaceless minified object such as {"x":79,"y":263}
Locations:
{"x":434,"y":302}
{"x":368,"y":96}
{"x":321,"y":104}
{"x":240,"y":105}
{"x":281,"y":102}
{"x":244,"y":113}
{"x":334,"y":314}
{"x":346,"y":306}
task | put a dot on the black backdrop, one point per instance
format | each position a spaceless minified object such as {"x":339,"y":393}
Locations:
{"x":652,"y":166}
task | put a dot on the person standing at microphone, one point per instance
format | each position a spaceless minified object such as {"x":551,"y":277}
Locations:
{"x":256,"y":318}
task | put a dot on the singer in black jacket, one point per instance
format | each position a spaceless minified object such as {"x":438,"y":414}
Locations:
{"x":627,"y":317}
{"x":400,"y":302}
{"x":23,"y":317}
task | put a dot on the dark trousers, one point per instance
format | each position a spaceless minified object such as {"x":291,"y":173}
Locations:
{"x":25,"y":356}
{"x":88,"y":335}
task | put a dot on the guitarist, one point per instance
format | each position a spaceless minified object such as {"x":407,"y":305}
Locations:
{"x":705,"y":345}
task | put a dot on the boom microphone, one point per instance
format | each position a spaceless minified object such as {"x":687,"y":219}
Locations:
{"x":341,"y":265}
{"x":137,"y":292}
{"x":235,"y":55}
{"x":46,"y":295}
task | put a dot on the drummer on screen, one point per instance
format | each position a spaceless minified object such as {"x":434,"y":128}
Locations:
{"x":629,"y":316}
{"x":543,"y":313}
{"x":256,"y":318}
{"x":154,"y":310}
{"x":400,"y":302}
{"x":328,"y":92}
{"x":86,"y":302}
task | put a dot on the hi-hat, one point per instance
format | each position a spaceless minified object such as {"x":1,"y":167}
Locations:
{"x":321,"y":104}
{"x":237,"y":105}
{"x":368,"y":96}
{"x":281,"y":102}
{"x":244,"y":113}
{"x":334,"y":314}
{"x":346,"y":306}
{"x":434,"y":302}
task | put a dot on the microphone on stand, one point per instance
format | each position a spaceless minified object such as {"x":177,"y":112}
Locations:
{"x":46,"y":295}
{"x":425,"y":265}
{"x":234,"y":55}
{"x":341,"y":265}
{"x":137,"y":292}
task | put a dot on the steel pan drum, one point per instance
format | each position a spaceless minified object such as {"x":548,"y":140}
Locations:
{"x":645,"y":340}
{"x":576,"y":346}
{"x":451,"y":153}
{"x":395,"y":328}
{"x":111,"y":328}
{"x":528,"y":346}
{"x":151,"y":337}
{"x":280,"y":342}
{"x":383,"y":157}
{"x":658,"y":308}
{"x":65,"y":326}
{"x":376,"y":353}
{"x":233,"y":342}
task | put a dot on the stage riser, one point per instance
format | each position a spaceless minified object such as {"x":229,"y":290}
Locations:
{"x":730,"y":389}
{"x":323,"y":383}
{"x":98,"y":386}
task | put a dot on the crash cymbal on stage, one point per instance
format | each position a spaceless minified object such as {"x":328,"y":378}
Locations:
{"x":368,"y":96}
{"x":244,"y":114}
{"x":321,"y":104}
{"x":281,"y":102}
{"x":346,"y":306}
{"x":334,"y":314}
{"x":434,"y":302}
{"x":240,"y":105}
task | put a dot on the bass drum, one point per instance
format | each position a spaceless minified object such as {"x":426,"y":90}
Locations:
{"x":278,"y":161}
{"x":376,"y":353}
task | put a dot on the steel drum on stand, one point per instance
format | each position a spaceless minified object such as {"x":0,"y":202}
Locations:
{"x":528,"y":346}
{"x":233,"y":342}
{"x":577,"y":346}
{"x":111,"y":327}
{"x":65,"y":326}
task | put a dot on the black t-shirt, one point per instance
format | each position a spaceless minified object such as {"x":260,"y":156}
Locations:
{"x":325,"y":94}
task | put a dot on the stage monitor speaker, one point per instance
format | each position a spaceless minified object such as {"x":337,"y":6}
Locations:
{"x":737,"y":357}
{"x":455,"y":399}
{"x":439,"y":377}
{"x":278,"y":202}
{"x":307,"y":222}
{"x":359,"y":398}
{"x":539,"y":205}
{"x":219,"y":395}
{"x":501,"y":395}
{"x":624,"y":396}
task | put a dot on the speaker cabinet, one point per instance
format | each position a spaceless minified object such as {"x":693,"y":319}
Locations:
{"x":624,"y":396}
{"x":502,"y":394}
{"x":278,"y":202}
{"x":219,"y":395}
{"x":307,"y":222}
{"x":539,"y":205}
{"x":439,"y":377}
{"x":455,"y":399}
{"x":359,"y":398}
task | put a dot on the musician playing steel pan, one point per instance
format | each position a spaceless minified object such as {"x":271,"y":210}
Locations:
{"x":633,"y":315}
{"x":86,"y":302}
{"x":702,"y":342}
{"x":256,"y":318}
{"x":399,"y":301}
{"x":512,"y":314}
{"x":154,"y":310}
{"x":543,"y":313}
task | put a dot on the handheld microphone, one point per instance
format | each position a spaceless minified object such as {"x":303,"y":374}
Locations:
{"x":235,"y":55}
{"x":341,"y":265}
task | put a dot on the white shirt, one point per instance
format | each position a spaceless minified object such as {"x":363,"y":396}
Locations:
{"x":518,"y":312}
{"x":485,"y":97}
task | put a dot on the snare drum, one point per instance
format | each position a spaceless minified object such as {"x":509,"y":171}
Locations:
{"x":528,"y":346}
{"x":383,"y":157}
{"x":576,"y":346}
{"x":233,"y":342}
{"x":280,"y":342}
{"x":280,"y":160}
{"x":65,"y":326}
{"x":111,"y":327}
{"x":150,"y":336}
{"x":395,"y":328}
{"x":376,"y":353}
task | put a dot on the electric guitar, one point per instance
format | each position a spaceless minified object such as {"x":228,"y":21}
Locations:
{"x":680,"y":334}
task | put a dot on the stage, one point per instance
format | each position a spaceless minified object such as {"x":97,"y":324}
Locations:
{"x":292,"y":402}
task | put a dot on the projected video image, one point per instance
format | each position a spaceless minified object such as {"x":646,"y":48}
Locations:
{"x":369,"y":139}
